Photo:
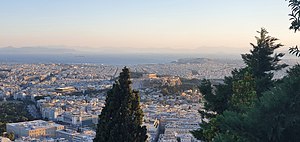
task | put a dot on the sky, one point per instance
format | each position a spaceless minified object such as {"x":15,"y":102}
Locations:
{"x":183,"y":26}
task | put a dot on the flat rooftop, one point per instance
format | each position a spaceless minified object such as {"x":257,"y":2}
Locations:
{"x":35,"y":124}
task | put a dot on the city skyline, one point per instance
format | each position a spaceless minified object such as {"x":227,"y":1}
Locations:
{"x":143,"y":26}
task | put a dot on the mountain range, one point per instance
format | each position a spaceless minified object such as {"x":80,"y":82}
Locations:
{"x":36,"y":50}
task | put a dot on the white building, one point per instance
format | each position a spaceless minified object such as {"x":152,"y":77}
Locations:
{"x":179,"y":131}
{"x":152,"y":130}
{"x":51,"y":112}
{"x":73,"y":136}
{"x":36,"y":128}
{"x":3,"y":139}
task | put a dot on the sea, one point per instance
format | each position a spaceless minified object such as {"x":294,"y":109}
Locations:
{"x":108,"y":59}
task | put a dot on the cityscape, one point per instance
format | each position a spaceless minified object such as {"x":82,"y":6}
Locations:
{"x":149,"y":71}
{"x":65,"y":100}
{"x":74,"y":95}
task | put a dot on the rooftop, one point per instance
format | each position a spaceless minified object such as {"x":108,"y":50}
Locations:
{"x":31,"y":125}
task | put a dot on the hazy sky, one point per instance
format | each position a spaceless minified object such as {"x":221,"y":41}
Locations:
{"x":183,"y":25}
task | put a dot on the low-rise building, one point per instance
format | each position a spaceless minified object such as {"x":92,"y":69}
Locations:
{"x":73,"y":136}
{"x":152,"y":130}
{"x":36,"y":128}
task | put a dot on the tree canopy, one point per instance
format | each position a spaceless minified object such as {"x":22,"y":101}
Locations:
{"x":121,"y":118}
{"x":274,"y":118}
{"x":262,"y":60}
{"x":240,"y":92}
{"x":12,"y":112}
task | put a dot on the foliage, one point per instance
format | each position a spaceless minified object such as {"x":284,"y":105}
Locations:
{"x":295,"y":24}
{"x":206,"y":90}
{"x":244,"y":93}
{"x":216,"y":102}
{"x":262,"y":61}
{"x":232,"y":100}
{"x":295,"y":50}
{"x":170,"y":90}
{"x":11,"y":112}
{"x":189,"y":84}
{"x":208,"y":130}
{"x":229,"y":128}
{"x":121,"y":118}
{"x":295,"y":15}
{"x":275,"y":117}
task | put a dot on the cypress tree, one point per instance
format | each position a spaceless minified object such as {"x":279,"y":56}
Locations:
{"x":121,"y":118}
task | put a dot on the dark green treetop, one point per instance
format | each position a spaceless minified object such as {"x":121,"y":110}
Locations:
{"x":240,"y":91}
{"x":263,"y":60}
{"x":274,"y":118}
{"x":121,"y":118}
{"x":228,"y":96}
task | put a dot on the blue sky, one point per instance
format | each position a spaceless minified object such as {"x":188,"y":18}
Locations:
{"x":182,"y":25}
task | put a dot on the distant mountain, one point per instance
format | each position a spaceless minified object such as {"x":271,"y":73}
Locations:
{"x":35,"y":50}
{"x":192,"y":61}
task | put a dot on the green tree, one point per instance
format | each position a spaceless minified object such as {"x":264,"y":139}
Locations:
{"x":121,"y":118}
{"x":244,"y":93}
{"x":240,"y":91}
{"x":295,"y":15}
{"x":295,"y":24}
{"x":262,"y":61}
{"x":11,"y":112}
{"x":207,"y":131}
{"x":208,"y":99}
{"x":274,"y":118}
{"x":216,"y":101}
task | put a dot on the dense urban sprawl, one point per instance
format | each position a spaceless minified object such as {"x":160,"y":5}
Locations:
{"x":71,"y":97}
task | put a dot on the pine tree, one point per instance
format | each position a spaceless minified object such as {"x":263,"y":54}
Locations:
{"x":121,"y":118}
{"x":274,"y":118}
{"x":262,"y":62}
{"x":240,"y":91}
{"x":224,"y":98}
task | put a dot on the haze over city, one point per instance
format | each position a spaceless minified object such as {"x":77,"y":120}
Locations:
{"x":135,"y":26}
